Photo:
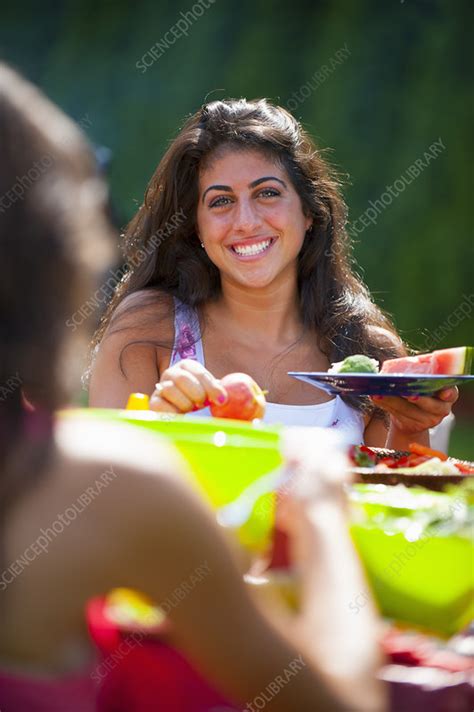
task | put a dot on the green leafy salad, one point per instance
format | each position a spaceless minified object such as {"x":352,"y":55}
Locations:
{"x":415,"y":509}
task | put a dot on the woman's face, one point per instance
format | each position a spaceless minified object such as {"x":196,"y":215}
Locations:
{"x":250,"y":218}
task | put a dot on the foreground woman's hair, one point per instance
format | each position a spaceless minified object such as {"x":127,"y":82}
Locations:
{"x":53,"y":242}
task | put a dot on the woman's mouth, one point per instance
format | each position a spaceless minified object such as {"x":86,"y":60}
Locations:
{"x":253,"y":249}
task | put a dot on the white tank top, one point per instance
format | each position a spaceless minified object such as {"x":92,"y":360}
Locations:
{"x":336,"y":414}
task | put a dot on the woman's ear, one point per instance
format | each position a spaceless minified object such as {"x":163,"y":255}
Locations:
{"x":308,"y":219}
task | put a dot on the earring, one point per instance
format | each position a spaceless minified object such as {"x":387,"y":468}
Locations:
{"x":202,"y":244}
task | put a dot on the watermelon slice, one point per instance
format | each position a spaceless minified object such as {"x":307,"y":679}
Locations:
{"x":445,"y":362}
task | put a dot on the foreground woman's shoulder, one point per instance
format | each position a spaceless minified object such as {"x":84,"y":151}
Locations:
{"x":127,"y":453}
{"x":141,"y":489}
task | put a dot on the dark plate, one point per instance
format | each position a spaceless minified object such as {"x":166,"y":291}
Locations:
{"x":417,"y":479}
{"x":378,"y":384}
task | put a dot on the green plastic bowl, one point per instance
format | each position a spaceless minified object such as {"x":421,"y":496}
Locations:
{"x":422,"y":579}
{"x":421,"y":568}
{"x":225,"y":457}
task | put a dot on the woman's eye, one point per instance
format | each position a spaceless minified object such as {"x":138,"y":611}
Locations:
{"x":225,"y":199}
{"x":218,"y":202}
{"x":269,"y":192}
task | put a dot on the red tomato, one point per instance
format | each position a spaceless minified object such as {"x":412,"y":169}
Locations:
{"x":465,"y":468}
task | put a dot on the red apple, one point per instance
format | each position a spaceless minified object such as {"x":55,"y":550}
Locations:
{"x":245,"y":398}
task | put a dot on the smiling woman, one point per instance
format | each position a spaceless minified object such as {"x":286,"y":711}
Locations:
{"x":256,"y":278}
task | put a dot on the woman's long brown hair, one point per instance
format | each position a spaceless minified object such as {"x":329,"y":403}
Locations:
{"x":164,"y":254}
{"x":53,"y":249}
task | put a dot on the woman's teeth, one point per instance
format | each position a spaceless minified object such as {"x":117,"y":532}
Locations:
{"x":254,"y":249}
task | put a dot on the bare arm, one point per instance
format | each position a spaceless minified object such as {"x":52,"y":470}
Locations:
{"x":217,"y":623}
{"x":315,"y":515}
{"x":127,"y":360}
{"x":344,"y":643}
{"x":110,"y":386}
{"x":377,"y":434}
{"x":150,"y":530}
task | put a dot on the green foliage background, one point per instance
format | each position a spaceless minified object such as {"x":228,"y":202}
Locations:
{"x":405,"y":83}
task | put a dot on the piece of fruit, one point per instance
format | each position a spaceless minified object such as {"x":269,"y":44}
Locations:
{"x":388,"y":461}
{"x":411,"y":460}
{"x":127,"y":607}
{"x":465,"y":468}
{"x":138,"y":401}
{"x":362,"y":456}
{"x":358,"y":363}
{"x":445,"y":362}
{"x":245,"y":398}
{"x":427,"y":451}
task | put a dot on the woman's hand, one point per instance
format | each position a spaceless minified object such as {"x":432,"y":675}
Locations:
{"x":317,"y":469}
{"x":185,"y":387}
{"x":413,"y":416}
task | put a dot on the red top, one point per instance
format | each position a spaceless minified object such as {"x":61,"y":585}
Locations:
{"x":23,"y":693}
{"x":140,"y":673}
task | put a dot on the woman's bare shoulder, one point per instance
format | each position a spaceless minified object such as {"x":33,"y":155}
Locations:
{"x":143,"y":489}
{"x":91,"y":450}
{"x":134,"y":349}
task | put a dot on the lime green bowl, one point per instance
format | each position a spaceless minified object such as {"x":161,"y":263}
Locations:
{"x":420,"y":568}
{"x":423,"y":578}
{"x":225,"y":456}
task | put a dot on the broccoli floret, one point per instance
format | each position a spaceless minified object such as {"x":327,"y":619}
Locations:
{"x":356,"y":364}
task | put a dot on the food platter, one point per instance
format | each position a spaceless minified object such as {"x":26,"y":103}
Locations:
{"x":379,"y":384}
{"x":434,"y":477}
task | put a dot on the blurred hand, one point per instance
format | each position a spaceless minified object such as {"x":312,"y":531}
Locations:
{"x":415,"y":414}
{"x":313,"y":496}
{"x":185,"y":387}
{"x":328,"y":573}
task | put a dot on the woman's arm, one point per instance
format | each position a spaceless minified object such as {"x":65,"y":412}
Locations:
{"x":185,"y":565}
{"x":377,"y":434}
{"x":315,"y":515}
{"x":345,"y":642}
{"x":150,"y":530}
{"x":109,"y":385}
{"x":127,"y":360}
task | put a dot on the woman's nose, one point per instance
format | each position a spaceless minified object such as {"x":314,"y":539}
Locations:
{"x":246,"y":216}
